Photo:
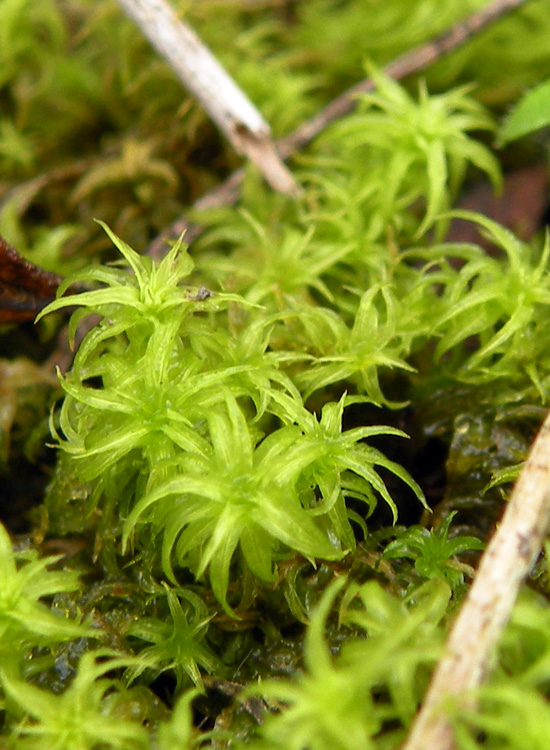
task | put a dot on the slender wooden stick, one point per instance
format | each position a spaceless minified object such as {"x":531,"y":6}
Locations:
{"x":208,"y":81}
{"x":508,"y":559}
{"x":411,"y":62}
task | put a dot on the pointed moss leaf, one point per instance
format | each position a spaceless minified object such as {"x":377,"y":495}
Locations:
{"x":24,"y":620}
{"x":178,"y":733}
{"x":89,"y":714}
{"x":531,"y":113}
{"x":137,"y":262}
{"x":177,"y":641}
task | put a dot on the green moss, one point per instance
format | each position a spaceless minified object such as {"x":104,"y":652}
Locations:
{"x":230,"y":434}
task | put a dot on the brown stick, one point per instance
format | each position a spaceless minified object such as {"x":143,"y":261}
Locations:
{"x":508,"y":559}
{"x":411,"y":62}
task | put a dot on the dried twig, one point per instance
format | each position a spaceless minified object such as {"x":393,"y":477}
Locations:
{"x":411,"y":62}
{"x":508,"y":559}
{"x":209,"y":82}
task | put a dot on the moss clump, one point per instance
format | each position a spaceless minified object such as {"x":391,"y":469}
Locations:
{"x":230,"y":431}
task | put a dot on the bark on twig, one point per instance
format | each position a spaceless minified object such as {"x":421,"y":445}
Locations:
{"x":508,"y":559}
{"x":209,"y":82}
{"x":411,"y":62}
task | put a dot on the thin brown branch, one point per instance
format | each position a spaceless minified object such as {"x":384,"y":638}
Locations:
{"x":202,"y":74}
{"x":411,"y":62}
{"x":508,"y":559}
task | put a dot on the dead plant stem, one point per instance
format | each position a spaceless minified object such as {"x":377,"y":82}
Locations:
{"x":508,"y":559}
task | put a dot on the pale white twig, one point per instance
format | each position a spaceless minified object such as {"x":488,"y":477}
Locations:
{"x":508,"y":559}
{"x":202,"y":74}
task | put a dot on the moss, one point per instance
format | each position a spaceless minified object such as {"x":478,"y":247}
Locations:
{"x":230,"y":437}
